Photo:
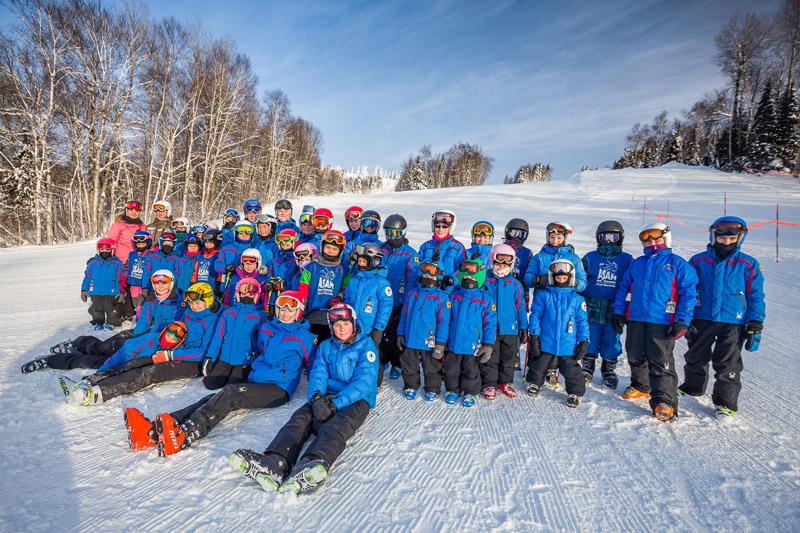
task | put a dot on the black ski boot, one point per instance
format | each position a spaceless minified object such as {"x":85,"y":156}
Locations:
{"x":35,"y":365}
{"x":269,"y":469}
{"x":587,"y":365}
{"x":306,"y":476}
{"x":609,"y":376}
{"x":64,"y":347}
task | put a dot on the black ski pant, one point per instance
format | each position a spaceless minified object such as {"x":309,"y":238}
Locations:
{"x":104,"y":309}
{"x":223,"y":373}
{"x":568,"y":365}
{"x":390,"y":353}
{"x":649,"y":351}
{"x":431,"y":368}
{"x":213,"y":409}
{"x":138,"y":378}
{"x":332,"y":435}
{"x":318,"y":324}
{"x":90,"y":344}
{"x":500,"y":368}
{"x":68,"y":361}
{"x":720,"y":344}
{"x":461,"y":373}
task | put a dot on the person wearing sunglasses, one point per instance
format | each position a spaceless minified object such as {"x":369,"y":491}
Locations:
{"x":370,"y":224}
{"x":124,"y":227}
{"x":230,"y":255}
{"x":133,"y":368}
{"x":353,"y":218}
{"x":322,"y":280}
{"x":252,"y":207}
{"x":283,"y":212}
{"x":604,"y":268}
{"x":101,"y":283}
{"x":663,"y":295}
{"x":401,"y":262}
{"x":512,"y":323}
{"x":273,"y":353}
{"x":422,"y":332}
{"x":162,"y":211}
{"x":443,"y":247}
{"x":164,"y":258}
{"x":341,"y":391}
{"x":730,"y":313}
{"x":559,"y":331}
{"x":482,"y":237}
{"x":249,"y":267}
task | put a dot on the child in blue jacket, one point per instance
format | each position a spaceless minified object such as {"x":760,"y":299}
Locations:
{"x":512,"y":323}
{"x":473,"y":332}
{"x":101,"y":283}
{"x":135,"y":267}
{"x":323,"y":279}
{"x":283,"y":347}
{"x":559,"y":330}
{"x":482,"y":237}
{"x":341,"y":391}
{"x":605,"y":269}
{"x":164,"y":258}
{"x":663,"y":295}
{"x":422,"y":332}
{"x":730,"y":312}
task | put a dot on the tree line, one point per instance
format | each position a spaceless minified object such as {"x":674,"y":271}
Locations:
{"x":752,"y":122}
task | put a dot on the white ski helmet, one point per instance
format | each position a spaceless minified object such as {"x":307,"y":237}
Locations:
{"x":561,"y":266}
{"x":163,"y":204}
{"x":180,"y":222}
{"x":166,"y":273}
{"x":658,"y":226}
{"x":553,"y":226}
{"x":252,"y":252}
{"x":444,"y":213}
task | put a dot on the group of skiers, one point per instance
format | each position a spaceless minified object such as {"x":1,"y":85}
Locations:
{"x":249,"y":305}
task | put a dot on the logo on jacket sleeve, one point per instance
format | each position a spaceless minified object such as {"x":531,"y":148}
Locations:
{"x":371,"y":356}
{"x":388,"y":291}
{"x":583,"y":305}
{"x":448,"y":305}
{"x":494,"y":307}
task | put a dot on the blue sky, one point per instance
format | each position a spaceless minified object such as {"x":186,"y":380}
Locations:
{"x":529,"y":81}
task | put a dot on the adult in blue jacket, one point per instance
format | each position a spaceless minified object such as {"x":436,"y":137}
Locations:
{"x":559,"y":330}
{"x":341,"y":390}
{"x":422,"y":332}
{"x":730,"y":312}
{"x":126,"y":373}
{"x":443,"y":248}
{"x":558,"y":247}
{"x":663,"y":295}
{"x":282,"y":347}
{"x":101,"y":283}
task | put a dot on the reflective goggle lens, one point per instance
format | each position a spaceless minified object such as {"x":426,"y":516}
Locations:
{"x":729,"y":227}
{"x":469,"y":266}
{"x":176,"y":330}
{"x":252,"y":209}
{"x":134,"y":205}
{"x":319,"y":221}
{"x":285,"y":239}
{"x":287,"y":301}
{"x":482,"y":229}
{"x":249,"y":260}
{"x":334,"y":239}
{"x":104,"y":246}
{"x":429,"y":268}
{"x":556,"y":228}
{"x":192,"y":296}
{"x":159,"y":207}
{"x":305,"y":218}
{"x":177,"y":224}
{"x":608,"y":237}
{"x":335,"y":315}
{"x":302,"y":256}
{"x":561,"y":268}
{"x":518,"y":234}
{"x":443,"y":218}
{"x":283,"y":204}
{"x":395,"y":233}
{"x":160,"y":279}
{"x":654,"y":234}
{"x":197,"y":230}
{"x":247,"y":230}
{"x":369,"y":223}
{"x":248,"y":289}
{"x":352,"y":214}
{"x":140,"y":238}
{"x":504,"y":259}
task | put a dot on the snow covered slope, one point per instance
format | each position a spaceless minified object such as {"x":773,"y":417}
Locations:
{"x":513,"y":465}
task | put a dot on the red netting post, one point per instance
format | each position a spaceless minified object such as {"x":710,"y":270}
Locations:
{"x":777,"y":225}
{"x":725,"y":203}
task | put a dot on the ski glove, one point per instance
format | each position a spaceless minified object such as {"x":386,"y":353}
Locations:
{"x":401,"y":343}
{"x":534,"y":347}
{"x":230,"y":268}
{"x":523,"y":336}
{"x":540,"y":281}
{"x":677,"y":330}
{"x":752,"y":335}
{"x":448,"y":281}
{"x":120,"y":298}
{"x":580,"y":350}
{"x":376,"y":336}
{"x":145,"y":293}
{"x":438,"y":352}
{"x":84,"y":295}
{"x":485,"y":353}
{"x":263,"y":270}
{"x":208,"y":366}
{"x":618,"y":323}
{"x":278,"y":284}
{"x":322,"y":407}
{"x":162,"y":356}
{"x":336,"y":300}
{"x":691,"y":335}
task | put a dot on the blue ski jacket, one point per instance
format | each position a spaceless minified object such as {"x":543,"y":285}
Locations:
{"x":158,"y":261}
{"x":482,"y":250}
{"x":198,"y":269}
{"x":509,"y":298}
{"x":145,"y":346}
{"x":283,"y":351}
{"x":426,"y":313}
{"x":604,"y":273}
{"x":370,"y":294}
{"x":288,"y":224}
{"x":402,"y":265}
{"x":473,"y":322}
{"x":540,"y":264}
{"x":311,"y":237}
{"x":350,"y":371}
{"x":731,"y":290}
{"x":352,"y":234}
{"x":101,"y":277}
{"x":559,"y":319}
{"x":363,"y":238}
{"x":266,"y":247}
{"x":155,"y":314}
{"x":235,"y":339}
{"x":135,"y":267}
{"x":238,"y":274}
{"x":230,"y":254}
{"x":451,"y":253}
{"x":663,"y":289}
{"x":523,"y":260}
{"x":319,"y":283}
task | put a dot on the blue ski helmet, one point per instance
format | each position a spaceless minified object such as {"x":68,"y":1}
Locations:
{"x":142,"y":236}
{"x":728,"y":226}
{"x":252,"y":204}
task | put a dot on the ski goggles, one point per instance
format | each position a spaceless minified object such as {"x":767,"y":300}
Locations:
{"x":288,"y":301}
{"x":159,"y":207}
{"x":504,"y":259}
{"x":348,"y":215}
{"x":333,"y":238}
{"x":305,"y":218}
{"x":282,"y":238}
{"x":197,"y":230}
{"x":302,"y":256}
{"x":177,"y":224}
{"x":248,"y":289}
{"x":728,"y":227}
{"x":105,"y":247}
{"x":133,"y":204}
{"x":320,"y":221}
{"x":609,"y":237}
{"x":340,"y":313}
{"x":470,"y":267}
{"x":167,"y":237}
{"x":155,"y":280}
{"x":247,"y":230}
{"x":252,"y":209}
{"x":557,"y":229}
{"x":395,"y":233}
{"x":430,"y":268}
{"x":518,"y":234}
{"x":370,"y":223}
{"x":247,"y":260}
{"x":283,"y":204}
{"x":443,"y":218}
{"x":192,"y":239}
{"x":483,"y":229}
{"x":141,"y":238}
{"x":309,"y":209}
{"x":177,"y":330}
{"x":210,"y":237}
{"x":194,"y":296}
{"x":651,"y":234}
{"x":562,"y":268}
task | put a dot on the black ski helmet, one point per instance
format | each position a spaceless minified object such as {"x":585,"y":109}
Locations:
{"x":395,"y":222}
{"x":213,"y":235}
{"x":370,"y":251}
{"x":517,"y":224}
{"x":370,"y":214}
{"x":610,"y":226}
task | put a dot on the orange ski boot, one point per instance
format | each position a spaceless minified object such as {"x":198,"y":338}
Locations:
{"x":633,"y":394}
{"x":170,"y":435}
{"x":141,"y":431}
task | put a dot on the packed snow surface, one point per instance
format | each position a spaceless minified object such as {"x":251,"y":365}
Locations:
{"x":511,"y":465}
